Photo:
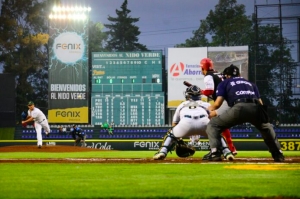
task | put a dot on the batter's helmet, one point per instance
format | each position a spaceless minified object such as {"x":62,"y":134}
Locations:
{"x":207,"y":64}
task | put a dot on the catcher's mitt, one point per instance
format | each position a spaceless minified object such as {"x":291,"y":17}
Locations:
{"x":183,"y":150}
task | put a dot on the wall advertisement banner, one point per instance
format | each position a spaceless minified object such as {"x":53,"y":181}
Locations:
{"x":184,"y":65}
{"x":68,"y":72}
{"x":154,"y":145}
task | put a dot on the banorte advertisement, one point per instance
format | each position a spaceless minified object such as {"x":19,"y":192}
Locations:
{"x":183,"y":65}
{"x":68,"y":72}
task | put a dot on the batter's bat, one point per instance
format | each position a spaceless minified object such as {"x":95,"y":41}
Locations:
{"x":188,"y":84}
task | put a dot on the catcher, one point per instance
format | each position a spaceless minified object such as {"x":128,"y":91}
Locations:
{"x":78,"y":135}
{"x":191,"y":118}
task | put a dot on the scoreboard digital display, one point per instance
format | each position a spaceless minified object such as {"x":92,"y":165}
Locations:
{"x":127,"y":71}
{"x":146,"y":109}
{"x":127,"y":88}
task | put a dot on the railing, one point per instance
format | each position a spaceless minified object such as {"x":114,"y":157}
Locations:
{"x":148,"y":133}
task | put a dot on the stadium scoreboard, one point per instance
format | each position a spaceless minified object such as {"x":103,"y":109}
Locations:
{"x":133,"y":109}
{"x":127,"y":88}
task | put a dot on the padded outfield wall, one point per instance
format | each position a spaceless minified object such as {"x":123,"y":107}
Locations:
{"x":150,"y":138}
{"x":154,"y":144}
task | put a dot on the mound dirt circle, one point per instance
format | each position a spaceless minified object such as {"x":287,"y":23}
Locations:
{"x":66,"y":149}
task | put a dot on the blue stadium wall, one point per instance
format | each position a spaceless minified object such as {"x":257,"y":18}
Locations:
{"x":150,"y":138}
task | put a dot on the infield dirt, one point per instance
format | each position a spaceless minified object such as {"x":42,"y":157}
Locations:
{"x":64,"y":149}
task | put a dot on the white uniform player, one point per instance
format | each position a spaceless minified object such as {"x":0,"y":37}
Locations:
{"x":191,"y":118}
{"x":40,"y":121}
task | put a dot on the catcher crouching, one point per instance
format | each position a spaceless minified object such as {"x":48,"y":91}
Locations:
{"x":191,"y":118}
{"x":170,"y":143}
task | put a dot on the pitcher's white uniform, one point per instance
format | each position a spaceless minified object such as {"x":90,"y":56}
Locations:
{"x":191,"y":118}
{"x":40,"y":121}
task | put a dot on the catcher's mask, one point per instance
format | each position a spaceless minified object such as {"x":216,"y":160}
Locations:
{"x":193,"y":92}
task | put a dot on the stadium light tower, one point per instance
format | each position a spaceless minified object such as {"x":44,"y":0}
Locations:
{"x":70,"y":13}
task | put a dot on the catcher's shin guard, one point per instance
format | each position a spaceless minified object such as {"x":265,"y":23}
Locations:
{"x":168,"y":143}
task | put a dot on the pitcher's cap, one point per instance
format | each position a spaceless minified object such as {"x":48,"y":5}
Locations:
{"x":30,"y":103}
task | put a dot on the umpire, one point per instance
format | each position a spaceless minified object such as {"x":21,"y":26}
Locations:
{"x":246,"y":106}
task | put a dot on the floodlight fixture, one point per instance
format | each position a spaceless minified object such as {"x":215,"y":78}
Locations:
{"x":71,"y":13}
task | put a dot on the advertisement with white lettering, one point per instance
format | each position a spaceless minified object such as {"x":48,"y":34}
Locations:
{"x":146,"y":145}
{"x":184,"y":65}
{"x":68,"y":72}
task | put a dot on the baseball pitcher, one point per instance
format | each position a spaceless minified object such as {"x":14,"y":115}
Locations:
{"x":40,"y":121}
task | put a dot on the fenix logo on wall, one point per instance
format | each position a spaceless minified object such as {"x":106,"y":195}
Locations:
{"x":134,"y":145}
{"x":147,"y":145}
{"x":69,"y":47}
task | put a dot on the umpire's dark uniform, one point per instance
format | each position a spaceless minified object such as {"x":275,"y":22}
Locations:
{"x":244,"y":98}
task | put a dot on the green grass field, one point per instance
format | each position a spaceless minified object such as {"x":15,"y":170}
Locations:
{"x":153,"y":180}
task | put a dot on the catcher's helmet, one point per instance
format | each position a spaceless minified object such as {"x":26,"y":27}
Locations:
{"x":207,"y":64}
{"x":193,"y":92}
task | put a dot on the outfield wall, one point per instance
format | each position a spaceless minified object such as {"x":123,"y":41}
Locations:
{"x":154,"y":144}
{"x":150,"y":138}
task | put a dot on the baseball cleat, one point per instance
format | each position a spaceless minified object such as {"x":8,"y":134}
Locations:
{"x":229,"y":156}
{"x":47,"y":135}
{"x":205,"y":157}
{"x":215,"y":156}
{"x":39,"y":146}
{"x":159,"y":156}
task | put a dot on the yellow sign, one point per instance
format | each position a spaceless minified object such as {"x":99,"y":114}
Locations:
{"x":69,"y":115}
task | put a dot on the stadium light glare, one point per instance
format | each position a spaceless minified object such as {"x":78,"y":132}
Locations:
{"x":71,"y":13}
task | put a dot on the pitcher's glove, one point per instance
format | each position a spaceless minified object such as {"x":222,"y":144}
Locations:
{"x":183,"y":150}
